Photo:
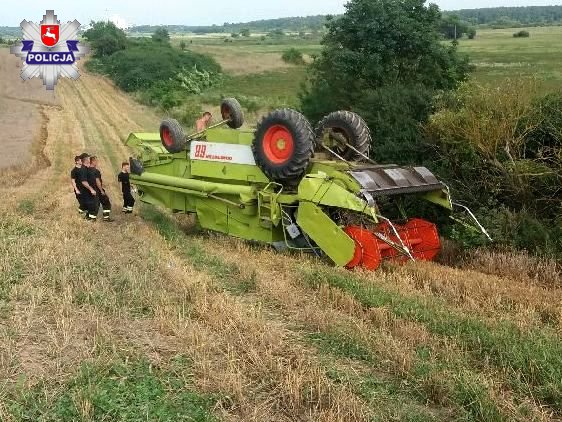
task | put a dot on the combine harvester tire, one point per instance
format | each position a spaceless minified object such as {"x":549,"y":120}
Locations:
{"x":172,"y":136}
{"x":231,"y":110}
{"x":283,"y":146}
{"x":345,"y":127}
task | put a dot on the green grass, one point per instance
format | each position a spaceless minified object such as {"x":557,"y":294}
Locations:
{"x":465,"y":391}
{"x":498,"y":55}
{"x":119,"y":391}
{"x":269,"y":89}
{"x":531,"y":360}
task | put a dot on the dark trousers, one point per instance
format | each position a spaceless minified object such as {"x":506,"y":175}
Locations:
{"x":91,"y":204}
{"x":81,"y":205}
{"x":104,"y":201}
{"x":128,"y":200}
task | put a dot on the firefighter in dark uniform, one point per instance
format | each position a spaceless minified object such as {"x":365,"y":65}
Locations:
{"x":75,"y":185}
{"x":100,"y":190}
{"x":87,"y":192}
{"x":123,"y":178}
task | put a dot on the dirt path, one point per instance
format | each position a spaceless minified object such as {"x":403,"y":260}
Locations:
{"x":277,"y":338}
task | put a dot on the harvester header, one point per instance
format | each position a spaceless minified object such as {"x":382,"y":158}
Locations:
{"x":292,"y":186}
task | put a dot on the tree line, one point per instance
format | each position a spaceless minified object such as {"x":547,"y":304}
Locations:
{"x":292,"y":24}
{"x":508,"y":17}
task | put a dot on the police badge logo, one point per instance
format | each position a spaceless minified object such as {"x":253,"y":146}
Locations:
{"x":50,"y":50}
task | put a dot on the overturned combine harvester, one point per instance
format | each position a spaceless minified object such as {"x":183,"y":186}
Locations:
{"x":290,"y":186}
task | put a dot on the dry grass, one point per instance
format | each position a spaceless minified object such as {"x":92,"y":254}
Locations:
{"x":520,"y":266}
{"x":239,"y":62}
{"x":395,"y":342}
{"x":78,"y":292}
{"x":268,"y":341}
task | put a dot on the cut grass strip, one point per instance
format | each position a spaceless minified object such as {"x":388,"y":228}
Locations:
{"x":389,"y":400}
{"x":430,"y":379}
{"x":529,"y":360}
{"x":122,"y":390}
{"x":468,"y":394}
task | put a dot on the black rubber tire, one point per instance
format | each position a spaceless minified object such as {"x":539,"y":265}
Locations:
{"x":172,"y":136}
{"x":136,"y":166}
{"x":352,"y":127}
{"x":231,"y":110}
{"x":295,"y":166}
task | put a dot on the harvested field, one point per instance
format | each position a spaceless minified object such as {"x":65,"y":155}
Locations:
{"x":23,"y":115}
{"x":147,"y":318}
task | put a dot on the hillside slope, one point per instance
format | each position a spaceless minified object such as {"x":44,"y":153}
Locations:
{"x":149,"y":315}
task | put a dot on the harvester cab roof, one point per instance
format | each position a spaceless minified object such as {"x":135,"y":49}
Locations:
{"x":291,"y":186}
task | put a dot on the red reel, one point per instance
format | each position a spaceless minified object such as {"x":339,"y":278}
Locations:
{"x":419,"y":236}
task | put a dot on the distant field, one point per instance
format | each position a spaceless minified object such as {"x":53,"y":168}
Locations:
{"x":255,"y":69}
{"x":497,"y":54}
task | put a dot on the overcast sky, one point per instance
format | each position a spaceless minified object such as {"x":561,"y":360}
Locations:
{"x":191,"y":12}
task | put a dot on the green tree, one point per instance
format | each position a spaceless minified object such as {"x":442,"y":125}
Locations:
{"x":161,"y":35}
{"x":105,"y":38}
{"x":293,"y":56}
{"x":245,"y":32}
{"x":235,"y":35}
{"x":384,"y":59}
{"x":183,"y":45}
{"x":452,"y":27}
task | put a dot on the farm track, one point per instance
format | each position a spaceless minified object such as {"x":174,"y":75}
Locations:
{"x":266,"y":332}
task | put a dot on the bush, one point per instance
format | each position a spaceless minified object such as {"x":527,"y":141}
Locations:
{"x":521,"y":34}
{"x":141,"y":67}
{"x":502,"y":151}
{"x":195,"y":81}
{"x":105,"y":38}
{"x":293,"y":56}
{"x":161,"y":35}
{"x":188,"y":113}
{"x":251,"y":104}
{"x":163,"y":94}
{"x":471,"y":33}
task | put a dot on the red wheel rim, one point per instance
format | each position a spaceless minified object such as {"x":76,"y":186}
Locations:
{"x":167,"y":137}
{"x":278,"y":144}
{"x":225,"y":112}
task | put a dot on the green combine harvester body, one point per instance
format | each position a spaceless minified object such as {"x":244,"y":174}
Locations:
{"x":215,"y":176}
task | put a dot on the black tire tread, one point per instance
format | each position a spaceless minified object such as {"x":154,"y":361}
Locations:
{"x":178,"y":135}
{"x":354,"y":125}
{"x":236,"y":113}
{"x":292,"y":171}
